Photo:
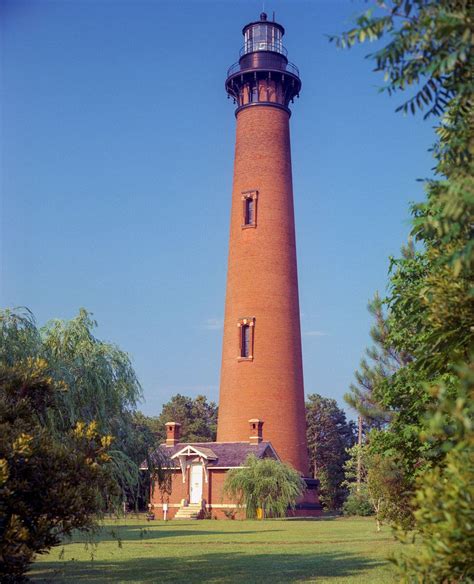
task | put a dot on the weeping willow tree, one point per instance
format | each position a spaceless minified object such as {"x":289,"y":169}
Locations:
{"x":265,"y":484}
{"x":98,"y":385}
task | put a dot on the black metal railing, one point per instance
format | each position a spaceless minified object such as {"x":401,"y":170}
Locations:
{"x":288,"y":67}
{"x":254,"y":46}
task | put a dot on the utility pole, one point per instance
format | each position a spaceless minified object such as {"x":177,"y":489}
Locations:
{"x":359,"y":460}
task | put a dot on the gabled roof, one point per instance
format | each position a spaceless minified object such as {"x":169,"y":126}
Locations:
{"x":191,"y":449}
{"x":218,"y":454}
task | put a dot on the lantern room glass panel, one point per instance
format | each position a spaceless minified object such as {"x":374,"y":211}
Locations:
{"x":263,"y":37}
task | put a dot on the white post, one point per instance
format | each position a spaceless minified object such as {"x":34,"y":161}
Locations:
{"x":165,"y":511}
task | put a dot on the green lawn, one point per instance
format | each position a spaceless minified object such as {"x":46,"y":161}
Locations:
{"x":322,"y":550}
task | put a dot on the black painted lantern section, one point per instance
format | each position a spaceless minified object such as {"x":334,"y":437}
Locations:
{"x":263,"y":74}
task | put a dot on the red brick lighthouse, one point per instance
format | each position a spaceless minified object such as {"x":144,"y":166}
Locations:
{"x":262,"y":372}
{"x":261,"y":404}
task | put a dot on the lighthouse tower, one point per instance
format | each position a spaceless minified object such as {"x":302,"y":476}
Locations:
{"x":262,"y":372}
{"x":261,"y":403}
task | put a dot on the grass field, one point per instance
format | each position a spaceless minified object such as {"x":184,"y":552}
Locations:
{"x":323,"y":550}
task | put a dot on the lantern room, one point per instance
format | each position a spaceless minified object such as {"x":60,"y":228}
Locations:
{"x":263,"y":36}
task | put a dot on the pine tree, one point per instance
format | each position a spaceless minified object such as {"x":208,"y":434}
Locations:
{"x":329,"y":435}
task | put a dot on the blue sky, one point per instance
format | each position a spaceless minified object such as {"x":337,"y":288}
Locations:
{"x":116,"y":171}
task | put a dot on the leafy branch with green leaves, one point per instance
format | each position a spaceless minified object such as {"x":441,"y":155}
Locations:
{"x":430,"y":300}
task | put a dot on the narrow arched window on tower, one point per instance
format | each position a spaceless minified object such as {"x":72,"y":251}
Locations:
{"x":254,"y":93}
{"x":245,"y":343}
{"x":249,"y":209}
{"x":246,"y":337}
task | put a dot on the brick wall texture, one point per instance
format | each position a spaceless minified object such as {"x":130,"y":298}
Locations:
{"x":262,"y":283}
{"x":212,"y":494}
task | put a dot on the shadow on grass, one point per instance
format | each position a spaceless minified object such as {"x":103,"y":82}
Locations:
{"x":320,"y":518}
{"x":138,"y":532}
{"x":234,"y":567}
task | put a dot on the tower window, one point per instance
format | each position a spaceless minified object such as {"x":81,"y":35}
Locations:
{"x":254,"y":93}
{"x":249,"y":212}
{"x":246,"y":338}
{"x":245,"y":352}
{"x":249,"y":218}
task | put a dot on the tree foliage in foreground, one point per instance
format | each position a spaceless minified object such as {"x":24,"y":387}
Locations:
{"x":429,"y":50}
{"x":430,"y":302}
{"x":49,"y":485}
{"x":329,"y":435}
{"x":442,"y":549}
{"x":265,"y":484}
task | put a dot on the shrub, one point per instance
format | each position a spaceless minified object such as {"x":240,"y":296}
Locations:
{"x":358,"y":504}
{"x":50,"y":484}
{"x":442,"y":547}
{"x":381,"y":480}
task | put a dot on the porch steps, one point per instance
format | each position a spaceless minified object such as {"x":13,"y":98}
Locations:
{"x":188,"y":512}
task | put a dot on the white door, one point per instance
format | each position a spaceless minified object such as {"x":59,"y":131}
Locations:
{"x":196,"y":484}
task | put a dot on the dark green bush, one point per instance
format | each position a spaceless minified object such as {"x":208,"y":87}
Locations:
{"x":50,"y":484}
{"x":358,"y":504}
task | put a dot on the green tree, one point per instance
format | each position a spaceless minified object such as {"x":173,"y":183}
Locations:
{"x":198,"y":418}
{"x":379,"y":480}
{"x":430,"y":302}
{"x":381,"y":362}
{"x":50,"y":485}
{"x":98,"y":379}
{"x":429,"y":50}
{"x":443,"y":548}
{"x":329,"y":435}
{"x":265,"y":484}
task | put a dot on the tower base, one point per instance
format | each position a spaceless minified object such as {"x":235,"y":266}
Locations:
{"x":308,"y":505}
